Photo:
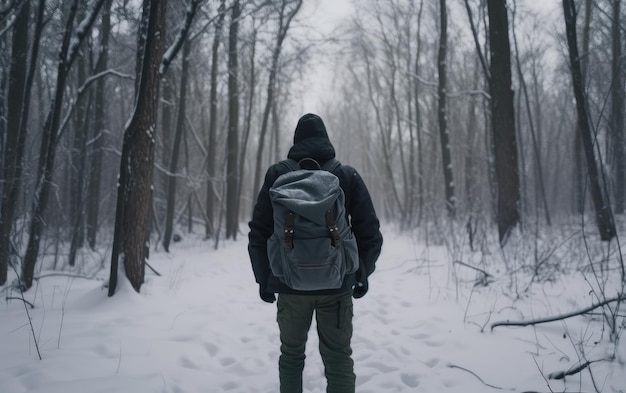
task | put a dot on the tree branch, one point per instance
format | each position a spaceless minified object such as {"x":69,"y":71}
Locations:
{"x":171,"y":52}
{"x":32,"y":306}
{"x":558,"y":317}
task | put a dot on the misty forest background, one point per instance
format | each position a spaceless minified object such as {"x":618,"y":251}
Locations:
{"x":473,"y":122}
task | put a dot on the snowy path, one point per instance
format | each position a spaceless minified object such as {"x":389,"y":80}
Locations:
{"x":202,"y":328}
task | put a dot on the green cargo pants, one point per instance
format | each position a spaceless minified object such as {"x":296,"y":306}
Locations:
{"x":333,"y":314}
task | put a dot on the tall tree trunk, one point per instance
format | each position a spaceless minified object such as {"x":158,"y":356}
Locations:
{"x":168,"y":106}
{"x":212,"y":145}
{"x":604,"y":216}
{"x":418,"y":120}
{"x":95,"y":167}
{"x":180,"y":129}
{"x":135,"y":179}
{"x":503,"y":121}
{"x":444,"y":137}
{"x":11,"y":157}
{"x":579,"y":167}
{"x":617,"y":112}
{"x":232,"y":171}
{"x":249,"y":110}
{"x":78,"y":170}
{"x":67,"y":55}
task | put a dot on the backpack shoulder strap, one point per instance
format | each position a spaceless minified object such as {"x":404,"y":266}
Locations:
{"x":331,"y":165}
{"x":292,"y":165}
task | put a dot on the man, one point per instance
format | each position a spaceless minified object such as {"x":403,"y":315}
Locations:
{"x":332,"y":307}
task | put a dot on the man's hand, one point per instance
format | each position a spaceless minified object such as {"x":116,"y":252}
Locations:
{"x":360,"y":289}
{"x":267,"y":297}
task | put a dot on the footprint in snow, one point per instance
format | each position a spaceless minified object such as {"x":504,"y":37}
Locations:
{"x":185,"y":362}
{"x":211,"y":348}
{"x":227,"y":361}
{"x":432,"y":362}
{"x":409,"y":380}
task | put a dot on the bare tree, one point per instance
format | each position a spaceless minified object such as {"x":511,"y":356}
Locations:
{"x":212,"y":131}
{"x":503,"y":120}
{"x":135,"y":179}
{"x":579,"y":167}
{"x":98,"y":136}
{"x":179,"y":130}
{"x":604,"y":216}
{"x":441,"y":113}
{"x":12,"y":158}
{"x":232,"y":171}
{"x":617,"y":111}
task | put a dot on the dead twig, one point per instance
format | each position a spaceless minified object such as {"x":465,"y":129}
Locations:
{"x":151,"y":268}
{"x":63,"y":275}
{"x":473,"y":267}
{"x":558,"y":317}
{"x":30,"y":320}
{"x":474,"y":374}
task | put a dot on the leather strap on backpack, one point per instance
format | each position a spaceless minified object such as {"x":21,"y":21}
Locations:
{"x":332,"y":227}
{"x":289,"y":224}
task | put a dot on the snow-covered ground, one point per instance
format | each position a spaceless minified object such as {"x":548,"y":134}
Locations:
{"x":200,"y":327}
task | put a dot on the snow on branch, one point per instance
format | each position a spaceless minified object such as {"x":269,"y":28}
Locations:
{"x":4,"y":12}
{"x":619,"y":298}
{"x":171,"y":52}
{"x":83,"y":88}
{"x":5,"y":9}
{"x":82,"y":29}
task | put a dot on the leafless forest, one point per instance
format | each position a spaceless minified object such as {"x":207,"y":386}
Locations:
{"x":125,"y":125}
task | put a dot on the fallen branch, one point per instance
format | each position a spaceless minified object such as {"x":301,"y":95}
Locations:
{"x":474,"y":374}
{"x":63,"y":275}
{"x":558,"y":317}
{"x":32,"y":306}
{"x":571,"y":371}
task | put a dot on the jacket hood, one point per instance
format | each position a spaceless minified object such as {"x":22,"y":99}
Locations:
{"x":309,"y":126}
{"x":310,"y":140}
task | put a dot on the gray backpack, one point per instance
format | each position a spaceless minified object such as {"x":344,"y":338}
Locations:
{"x":312,"y":247}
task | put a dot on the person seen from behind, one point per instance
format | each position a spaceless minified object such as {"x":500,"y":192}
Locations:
{"x":331,"y":304}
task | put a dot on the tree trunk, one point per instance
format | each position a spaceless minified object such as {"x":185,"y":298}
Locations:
{"x":418,"y":121}
{"x":604,"y":216}
{"x":503,"y":121}
{"x":233,"y":125}
{"x":135,"y":179}
{"x":446,"y":154}
{"x":617,"y":112}
{"x":12,"y":157}
{"x":78,"y":169}
{"x":212,"y":145}
{"x":579,"y":168}
{"x":95,"y":167}
{"x":180,"y":129}
{"x":248,"y":119}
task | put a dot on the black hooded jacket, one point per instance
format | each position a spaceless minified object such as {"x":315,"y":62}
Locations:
{"x":311,"y":141}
